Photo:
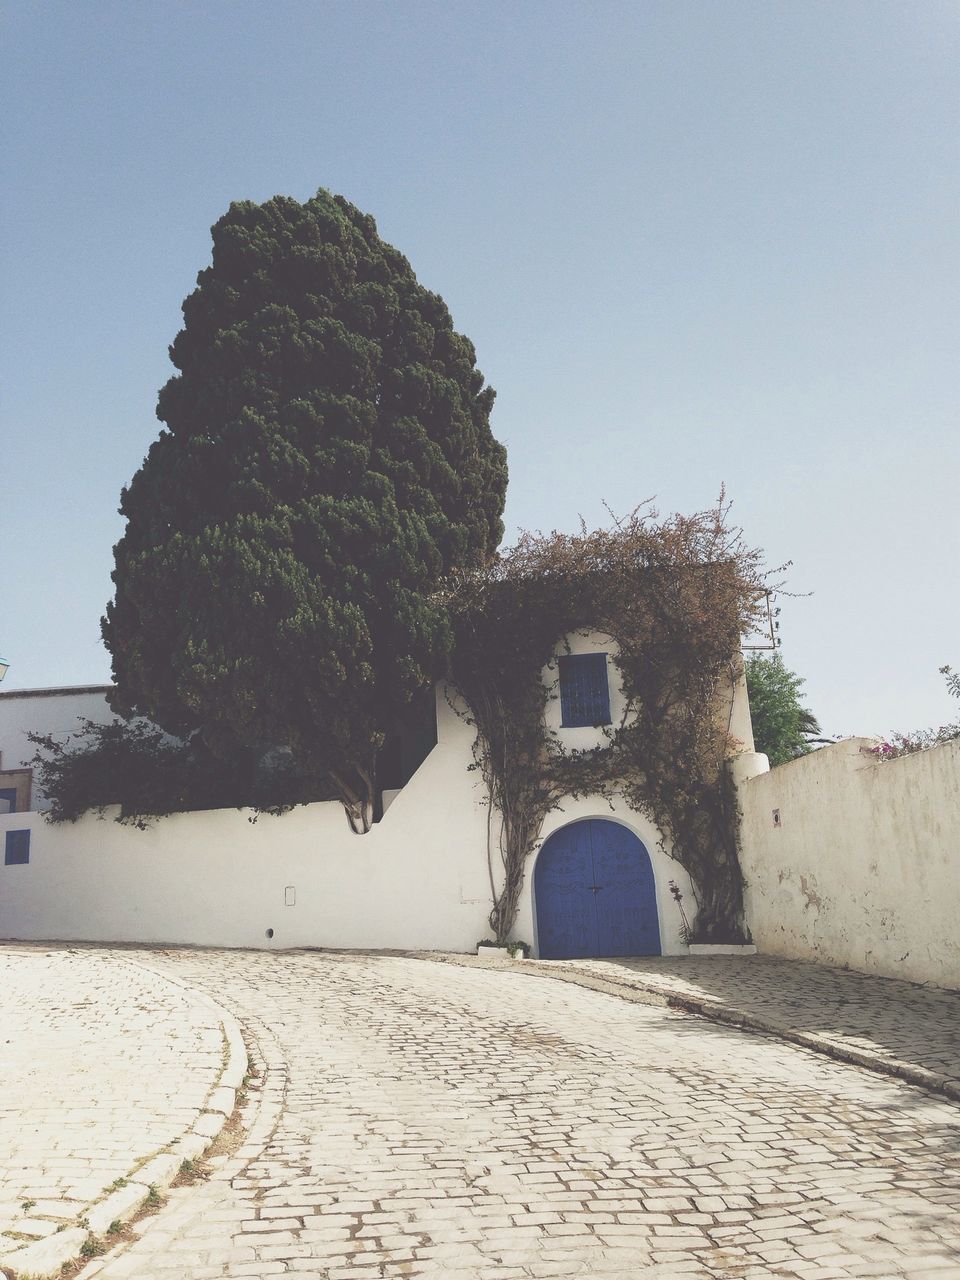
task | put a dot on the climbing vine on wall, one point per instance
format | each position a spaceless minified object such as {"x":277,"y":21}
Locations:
{"x":675,"y":595}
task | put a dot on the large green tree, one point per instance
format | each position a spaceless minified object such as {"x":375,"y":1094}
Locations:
{"x":327,"y":459}
{"x":783,"y":729}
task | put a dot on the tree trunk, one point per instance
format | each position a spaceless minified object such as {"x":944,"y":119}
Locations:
{"x":720,"y":917}
{"x":357,"y":794}
{"x":720,"y":896}
{"x":517,"y":840}
{"x":717,"y":875}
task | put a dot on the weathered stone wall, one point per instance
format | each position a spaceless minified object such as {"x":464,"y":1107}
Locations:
{"x":862,"y":867}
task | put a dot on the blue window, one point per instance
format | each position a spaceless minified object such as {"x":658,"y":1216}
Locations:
{"x":17,"y":850}
{"x":10,"y":795}
{"x":584,"y":691}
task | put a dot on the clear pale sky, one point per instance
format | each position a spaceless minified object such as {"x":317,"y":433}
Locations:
{"x":694,"y":244}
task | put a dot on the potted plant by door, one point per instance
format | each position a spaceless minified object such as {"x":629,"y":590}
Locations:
{"x":486,"y":947}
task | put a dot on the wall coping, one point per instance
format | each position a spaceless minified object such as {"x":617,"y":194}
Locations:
{"x":75,"y":689}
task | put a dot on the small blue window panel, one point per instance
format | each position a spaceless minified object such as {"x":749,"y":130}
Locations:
{"x":9,"y":794}
{"x":584,"y":690}
{"x":17,"y":850}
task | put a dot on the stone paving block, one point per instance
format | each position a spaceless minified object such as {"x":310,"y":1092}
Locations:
{"x":255,"y":1269}
{"x":222,"y":1100}
{"x":160,"y":1171}
{"x":35,"y":1227}
{"x":208,"y":1125}
{"x":117,"y":1207}
{"x":191,"y":1145}
{"x":59,"y":1210}
{"x":45,"y":1257}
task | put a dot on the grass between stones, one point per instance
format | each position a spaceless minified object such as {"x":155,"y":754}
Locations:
{"x":191,"y":1171}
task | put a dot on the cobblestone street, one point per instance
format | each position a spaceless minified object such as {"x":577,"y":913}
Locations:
{"x":103,"y":1064}
{"x":416,"y":1119}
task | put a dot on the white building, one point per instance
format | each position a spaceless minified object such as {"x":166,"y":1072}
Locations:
{"x":598,"y":884}
{"x":58,"y":712}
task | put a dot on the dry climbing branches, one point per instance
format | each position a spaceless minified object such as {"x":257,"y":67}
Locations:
{"x":675,"y":595}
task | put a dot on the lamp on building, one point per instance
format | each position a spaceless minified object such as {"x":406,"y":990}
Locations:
{"x":3,"y":667}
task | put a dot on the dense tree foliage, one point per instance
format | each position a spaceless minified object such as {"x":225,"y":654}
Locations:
{"x":327,"y":460}
{"x":783,"y":729}
{"x":136,"y":768}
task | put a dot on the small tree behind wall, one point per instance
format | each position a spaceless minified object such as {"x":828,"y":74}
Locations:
{"x":783,"y":728}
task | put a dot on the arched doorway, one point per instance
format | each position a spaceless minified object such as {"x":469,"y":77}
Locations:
{"x":594,"y":893}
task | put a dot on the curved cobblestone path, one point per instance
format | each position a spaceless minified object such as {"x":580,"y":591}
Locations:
{"x":415,"y":1119}
{"x":102,"y":1064}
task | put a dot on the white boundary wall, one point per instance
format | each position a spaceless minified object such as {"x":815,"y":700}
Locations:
{"x":864,"y":868}
{"x":419,"y":880}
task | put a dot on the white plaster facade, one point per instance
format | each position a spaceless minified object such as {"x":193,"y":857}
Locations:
{"x":861,"y":869}
{"x":856,"y":862}
{"x":418,"y":880}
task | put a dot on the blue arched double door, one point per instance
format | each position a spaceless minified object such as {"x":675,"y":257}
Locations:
{"x":594,"y":893}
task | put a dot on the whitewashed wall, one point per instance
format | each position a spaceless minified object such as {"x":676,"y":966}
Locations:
{"x":216,"y":878}
{"x":418,"y":880}
{"x":739,"y":722}
{"x":863,"y":869}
